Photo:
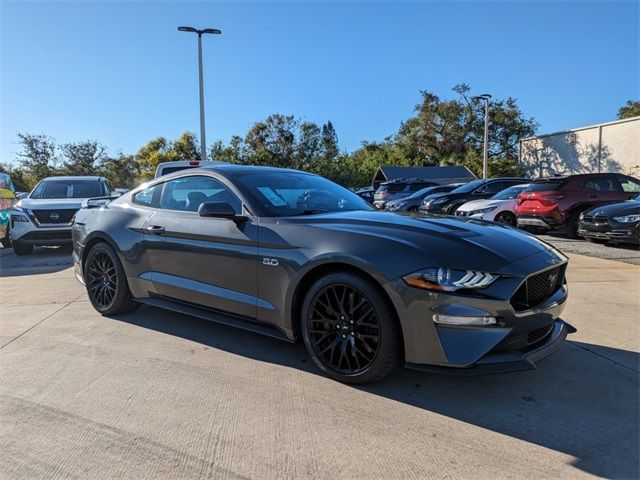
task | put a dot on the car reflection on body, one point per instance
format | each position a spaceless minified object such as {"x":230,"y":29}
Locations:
{"x":297,"y":257}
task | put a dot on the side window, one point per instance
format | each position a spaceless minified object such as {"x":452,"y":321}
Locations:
{"x":494,"y":187}
{"x":149,"y":196}
{"x":419,"y":186}
{"x":629,"y":184}
{"x":187,"y":193}
{"x":602,"y":184}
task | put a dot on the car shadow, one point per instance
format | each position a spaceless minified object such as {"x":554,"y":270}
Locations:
{"x":578,"y":402}
{"x":42,"y":260}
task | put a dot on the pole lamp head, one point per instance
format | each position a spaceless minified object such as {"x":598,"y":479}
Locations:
{"x":187,"y":29}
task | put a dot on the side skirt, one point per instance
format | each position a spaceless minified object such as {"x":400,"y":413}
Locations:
{"x":214,"y":316}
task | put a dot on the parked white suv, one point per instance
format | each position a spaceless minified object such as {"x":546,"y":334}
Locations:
{"x":166,"y":168}
{"x":44,"y":217}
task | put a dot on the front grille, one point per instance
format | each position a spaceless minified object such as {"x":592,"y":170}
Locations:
{"x":63,"y":215}
{"x":600,"y":219}
{"x":534,"y":336}
{"x":537,"y":288}
{"x":587,"y":218}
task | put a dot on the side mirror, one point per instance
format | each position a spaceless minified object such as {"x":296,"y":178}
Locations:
{"x":116,"y":194}
{"x":218,"y":210}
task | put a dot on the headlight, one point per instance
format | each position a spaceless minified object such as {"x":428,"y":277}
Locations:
{"x":393,"y":206}
{"x":481,"y":211}
{"x":628,"y":219}
{"x":446,"y":280}
{"x":18,"y":215}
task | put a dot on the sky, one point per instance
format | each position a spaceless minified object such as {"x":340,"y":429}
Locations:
{"x":120,"y":72}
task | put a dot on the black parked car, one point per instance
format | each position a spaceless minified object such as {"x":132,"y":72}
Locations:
{"x":617,"y":222}
{"x":413,"y":202}
{"x":448,"y":203}
{"x":366,"y":194}
{"x":297,"y":257}
{"x":399,"y":188}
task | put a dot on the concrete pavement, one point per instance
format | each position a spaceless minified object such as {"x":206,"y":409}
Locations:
{"x":154,"y":394}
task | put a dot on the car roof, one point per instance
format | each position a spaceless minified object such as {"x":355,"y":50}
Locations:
{"x":75,"y":177}
{"x":560,"y":178}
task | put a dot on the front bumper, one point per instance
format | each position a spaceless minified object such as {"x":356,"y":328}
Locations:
{"x":27,"y":233}
{"x":437,"y":209}
{"x":611,"y":231}
{"x":522,"y":335}
{"x":506,"y":362}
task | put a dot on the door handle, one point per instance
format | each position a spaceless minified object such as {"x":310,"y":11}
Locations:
{"x":155,"y":229}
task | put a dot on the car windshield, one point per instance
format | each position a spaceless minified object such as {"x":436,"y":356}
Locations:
{"x":58,"y":188}
{"x":469,"y":187}
{"x":509,"y":193}
{"x":286,"y":194}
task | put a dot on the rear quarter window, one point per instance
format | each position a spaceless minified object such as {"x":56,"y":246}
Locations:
{"x":392,"y":187}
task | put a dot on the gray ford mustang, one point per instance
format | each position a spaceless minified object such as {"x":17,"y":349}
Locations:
{"x":294,"y":256}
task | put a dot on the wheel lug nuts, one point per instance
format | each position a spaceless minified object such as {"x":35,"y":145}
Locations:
{"x":353,"y":333}
{"x":351,"y":322}
{"x":344,"y":336}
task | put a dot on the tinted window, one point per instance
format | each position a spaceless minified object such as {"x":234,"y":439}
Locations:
{"x":59,"y":188}
{"x":630,"y":184}
{"x":168,"y":170}
{"x":149,"y":197}
{"x":284,"y":194}
{"x":414,"y":187}
{"x":544,"y":186}
{"x":187,"y":193}
{"x":469,"y":187}
{"x":494,"y":187}
{"x":603,"y":184}
{"x":391,"y":187}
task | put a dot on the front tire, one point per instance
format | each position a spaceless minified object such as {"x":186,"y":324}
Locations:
{"x":6,"y":240}
{"x":506,"y":218}
{"x":350,"y":329}
{"x":106,"y":281}
{"x":22,"y":249}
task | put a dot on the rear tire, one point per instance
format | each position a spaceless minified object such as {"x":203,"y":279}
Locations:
{"x":451,"y":210}
{"x":22,"y":249}
{"x":106,"y":281}
{"x":350,"y":329}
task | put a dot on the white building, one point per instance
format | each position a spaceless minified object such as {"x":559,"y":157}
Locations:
{"x":606,"y":147}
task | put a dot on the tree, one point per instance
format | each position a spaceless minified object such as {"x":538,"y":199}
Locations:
{"x":82,"y":158}
{"x":38,"y":157}
{"x":329,"y":141}
{"x":630,"y":109}
{"x":122,"y":171}
{"x":186,"y":147}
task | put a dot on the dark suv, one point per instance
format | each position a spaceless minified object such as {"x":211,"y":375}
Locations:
{"x":556,"y":202}
{"x":448,"y":203}
{"x":398,"y":188}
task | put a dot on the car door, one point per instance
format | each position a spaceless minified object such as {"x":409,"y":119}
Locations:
{"x":206,"y":261}
{"x":630,"y":187}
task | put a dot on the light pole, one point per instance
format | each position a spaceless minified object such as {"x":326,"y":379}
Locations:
{"x":213,"y":31}
{"x":485,"y":149}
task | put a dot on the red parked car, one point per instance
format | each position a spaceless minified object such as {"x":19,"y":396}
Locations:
{"x":556,"y":202}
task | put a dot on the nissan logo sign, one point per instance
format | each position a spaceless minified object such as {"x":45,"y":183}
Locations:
{"x":54,"y":216}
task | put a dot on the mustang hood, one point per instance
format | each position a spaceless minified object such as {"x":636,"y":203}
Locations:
{"x":50,"y":203}
{"x":422,"y":241}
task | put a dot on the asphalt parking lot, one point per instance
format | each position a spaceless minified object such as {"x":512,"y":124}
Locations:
{"x":153,"y":394}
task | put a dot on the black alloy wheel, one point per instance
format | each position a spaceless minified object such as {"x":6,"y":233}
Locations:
{"x":101,"y":280}
{"x":106,"y":281}
{"x":349,"y":330}
{"x":506,"y":218}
